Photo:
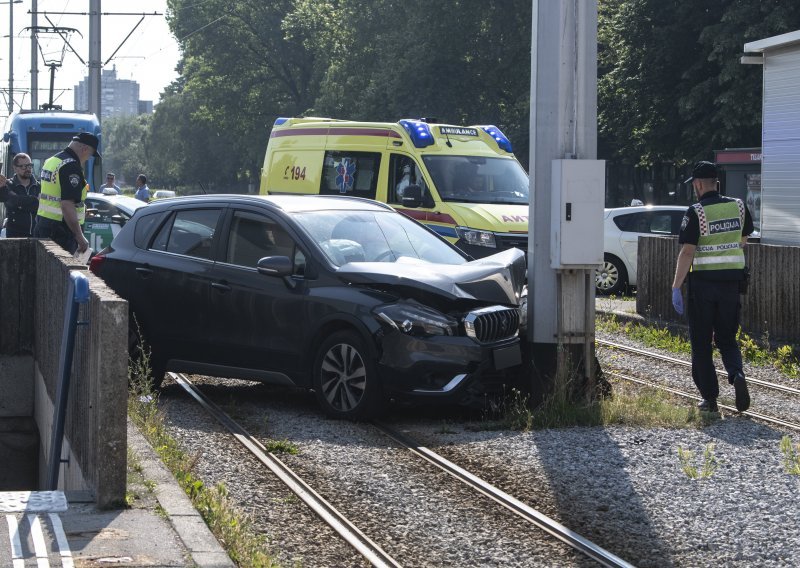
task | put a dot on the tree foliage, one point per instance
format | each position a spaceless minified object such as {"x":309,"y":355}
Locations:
{"x":126,"y":147}
{"x":670,"y":85}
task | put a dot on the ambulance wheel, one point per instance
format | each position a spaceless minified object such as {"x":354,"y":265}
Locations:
{"x":611,"y":278}
{"x":346,"y":380}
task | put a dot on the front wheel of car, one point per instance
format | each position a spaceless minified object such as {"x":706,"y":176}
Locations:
{"x":345,"y":377}
{"x":611,"y":278}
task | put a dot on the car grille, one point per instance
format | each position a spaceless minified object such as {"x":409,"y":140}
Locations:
{"x":491,"y":324}
{"x":508,"y":240}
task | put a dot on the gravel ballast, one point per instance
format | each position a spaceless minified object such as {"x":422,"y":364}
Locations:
{"x":621,"y":487}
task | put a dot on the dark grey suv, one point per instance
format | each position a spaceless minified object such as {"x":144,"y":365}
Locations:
{"x":342,"y":295}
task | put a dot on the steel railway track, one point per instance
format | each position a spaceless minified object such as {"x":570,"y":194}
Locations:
{"x":764,"y":384}
{"x":531,"y":515}
{"x":352,"y":535}
{"x":673,"y":360}
{"x":347,"y":530}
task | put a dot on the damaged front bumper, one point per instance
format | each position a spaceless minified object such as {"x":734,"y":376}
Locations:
{"x":444,"y":367}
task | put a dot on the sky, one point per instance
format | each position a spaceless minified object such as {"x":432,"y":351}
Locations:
{"x":148,"y":56}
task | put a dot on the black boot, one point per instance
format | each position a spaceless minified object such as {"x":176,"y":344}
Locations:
{"x":708,"y":406}
{"x":742,"y":394}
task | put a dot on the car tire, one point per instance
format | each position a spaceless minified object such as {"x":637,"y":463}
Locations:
{"x":140,"y":353}
{"x":346,"y":380}
{"x":611,"y":278}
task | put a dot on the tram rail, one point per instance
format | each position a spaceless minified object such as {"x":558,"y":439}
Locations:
{"x":720,"y":372}
{"x":350,"y":533}
{"x":336,"y":520}
{"x":757,"y":415}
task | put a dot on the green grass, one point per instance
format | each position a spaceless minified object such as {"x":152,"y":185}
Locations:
{"x":232,"y":528}
{"x":707,"y":467}
{"x":281,"y":447}
{"x":791,"y":456}
{"x":647,"y":407}
{"x":629,"y":406}
{"x":783,"y":358}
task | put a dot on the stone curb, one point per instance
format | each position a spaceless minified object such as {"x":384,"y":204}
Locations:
{"x":205,"y":550}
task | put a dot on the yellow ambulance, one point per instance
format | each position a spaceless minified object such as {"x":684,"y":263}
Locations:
{"x":461,"y":181}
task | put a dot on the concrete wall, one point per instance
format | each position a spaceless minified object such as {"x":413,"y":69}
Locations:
{"x":771,"y":306}
{"x":33,"y":285}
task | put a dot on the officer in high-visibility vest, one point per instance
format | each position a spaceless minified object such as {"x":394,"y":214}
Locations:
{"x":712,"y":237}
{"x":61,"y":201}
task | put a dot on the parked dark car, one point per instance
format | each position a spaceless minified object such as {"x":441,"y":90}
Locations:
{"x":339,"y":294}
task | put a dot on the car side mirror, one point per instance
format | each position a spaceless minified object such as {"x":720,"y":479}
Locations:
{"x":275,"y":266}
{"x":118,"y":219}
{"x":412,"y":196}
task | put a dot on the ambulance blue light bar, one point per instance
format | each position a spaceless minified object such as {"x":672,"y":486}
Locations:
{"x":280,"y":120}
{"x":499,"y":137}
{"x":419,"y":132}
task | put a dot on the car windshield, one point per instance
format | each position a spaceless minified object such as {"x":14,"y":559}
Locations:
{"x":475,"y":179}
{"x":374,"y":236}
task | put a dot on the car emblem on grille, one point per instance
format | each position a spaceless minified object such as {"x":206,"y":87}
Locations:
{"x":503,"y":326}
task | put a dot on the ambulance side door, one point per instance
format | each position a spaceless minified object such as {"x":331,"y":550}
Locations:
{"x":403,"y":172}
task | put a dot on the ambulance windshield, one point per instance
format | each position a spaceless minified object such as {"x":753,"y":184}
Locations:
{"x":477,"y":179}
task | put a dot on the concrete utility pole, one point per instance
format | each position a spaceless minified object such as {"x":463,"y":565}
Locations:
{"x":11,"y":55}
{"x":95,"y":62}
{"x":566,"y":205}
{"x":34,"y":57}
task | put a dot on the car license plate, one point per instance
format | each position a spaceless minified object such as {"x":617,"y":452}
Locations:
{"x":505,"y":357}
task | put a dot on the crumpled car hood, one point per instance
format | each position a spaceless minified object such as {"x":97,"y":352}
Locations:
{"x":496,"y":279}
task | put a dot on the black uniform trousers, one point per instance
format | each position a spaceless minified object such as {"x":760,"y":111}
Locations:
{"x":57,"y":231}
{"x":713,"y":311}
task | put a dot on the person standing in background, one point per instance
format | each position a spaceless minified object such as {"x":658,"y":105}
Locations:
{"x":712,"y":238}
{"x":64,"y":187}
{"x":21,"y":196}
{"x":142,"y":191}
{"x":110,"y":187}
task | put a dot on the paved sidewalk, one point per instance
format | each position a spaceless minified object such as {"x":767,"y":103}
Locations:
{"x":162,"y":528}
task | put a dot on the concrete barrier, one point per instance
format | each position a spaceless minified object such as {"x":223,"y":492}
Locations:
{"x":33,"y":285}
{"x":770,"y":308}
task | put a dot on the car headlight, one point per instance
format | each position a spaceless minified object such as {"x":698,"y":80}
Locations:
{"x":476,"y":237}
{"x":415,"y":319}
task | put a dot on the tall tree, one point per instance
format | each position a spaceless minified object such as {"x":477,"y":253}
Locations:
{"x":734,"y":91}
{"x":406,"y":59}
{"x":126,"y":146}
{"x":671,"y":87}
{"x":240,"y":69}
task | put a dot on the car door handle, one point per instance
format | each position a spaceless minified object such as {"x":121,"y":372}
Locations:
{"x":144,"y":272}
{"x":220,"y":287}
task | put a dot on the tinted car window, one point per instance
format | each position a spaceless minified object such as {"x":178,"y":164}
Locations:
{"x":189,"y":232}
{"x":661,"y":224}
{"x":656,"y":222}
{"x":101,"y":211}
{"x":253,"y":237}
{"x":144,"y":228}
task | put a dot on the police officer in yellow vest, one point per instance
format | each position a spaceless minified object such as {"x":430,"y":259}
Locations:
{"x":712,"y":237}
{"x":61,"y":202}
